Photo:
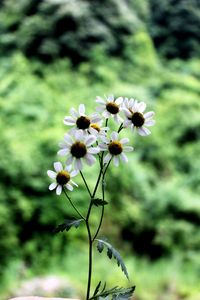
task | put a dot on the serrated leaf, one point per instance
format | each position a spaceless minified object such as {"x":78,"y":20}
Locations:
{"x":100,"y":246}
{"x":112,"y":252}
{"x":115,"y":293}
{"x":124,"y":294}
{"x":109,"y":253}
{"x":97,"y":289}
{"x":99,"y":202}
{"x":67,"y":225}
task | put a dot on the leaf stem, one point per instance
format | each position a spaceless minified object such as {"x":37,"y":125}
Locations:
{"x":90,"y":242}
{"x":102,"y":211}
{"x":72,"y":204}
{"x":87,"y":187}
{"x":120,"y":127}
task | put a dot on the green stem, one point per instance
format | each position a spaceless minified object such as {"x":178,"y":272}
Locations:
{"x":102,"y":211}
{"x":97,"y":183}
{"x":87,"y":187}
{"x":90,"y":241}
{"x":72,"y":204}
{"x":103,"y":198}
{"x":120,"y":127}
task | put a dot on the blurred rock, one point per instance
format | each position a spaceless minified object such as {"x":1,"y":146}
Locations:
{"x":45,"y":287}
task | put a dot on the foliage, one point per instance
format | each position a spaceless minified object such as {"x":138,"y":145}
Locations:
{"x":160,"y":217}
{"x":112,"y":252}
{"x":114,"y":293}
{"x":174,"y":27}
{"x":50,"y":29}
{"x":67,"y":225}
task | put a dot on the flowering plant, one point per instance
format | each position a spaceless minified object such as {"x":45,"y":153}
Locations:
{"x":90,"y":141}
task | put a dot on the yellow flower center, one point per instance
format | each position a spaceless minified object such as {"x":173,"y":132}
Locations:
{"x":95,"y":126}
{"x":63,"y":177}
{"x":78,"y":150}
{"x":83,"y":122}
{"x":112,"y":108}
{"x":115,"y":148}
{"x":137,"y":119}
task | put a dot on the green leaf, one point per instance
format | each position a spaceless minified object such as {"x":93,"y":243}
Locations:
{"x":97,"y":289}
{"x":112,"y":252}
{"x":99,"y":202}
{"x":115,"y":293}
{"x":123,"y":293}
{"x":67,"y":225}
{"x":100,"y":246}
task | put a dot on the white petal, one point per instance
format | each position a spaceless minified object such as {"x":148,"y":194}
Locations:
{"x":51,"y":174}
{"x":143,"y":131}
{"x":69,"y":187}
{"x":93,"y":150}
{"x":110,"y":98}
{"x":68,"y":139}
{"x":114,"y":136}
{"x":150,"y":122}
{"x":68,"y":167}
{"x":117,"y":118}
{"x":78,"y":164}
{"x":95,"y":118}
{"x":74,"y":173}
{"x":93,"y":131}
{"x":135,"y":105}
{"x":91,"y":139}
{"x":127,"y":113}
{"x":59,"y":190}
{"x":90,"y":159}
{"x":105,"y":140}
{"x":70,"y":160}
{"x":127,"y":123}
{"x":149,"y":114}
{"x":106,"y":114}
{"x":126,"y":101}
{"x":107,"y":158}
{"x":63,"y":152}
{"x":100,"y":100}
{"x":141,"y":107}
{"x":73,"y":183}
{"x":128,"y":149}
{"x":52,"y":186}
{"x":79,"y":135}
{"x":69,"y":121}
{"x":116,"y":161}
{"x":124,"y":141}
{"x":119,"y":100}
{"x":100,"y":108}
{"x":81,"y":109}
{"x":73,"y":112}
{"x":131,"y":102}
{"x":132,"y":126}
{"x":103,"y":147}
{"x":58,"y":166}
{"x":123,"y":157}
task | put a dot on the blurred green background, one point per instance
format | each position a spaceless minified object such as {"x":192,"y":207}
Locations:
{"x":55,"y":54}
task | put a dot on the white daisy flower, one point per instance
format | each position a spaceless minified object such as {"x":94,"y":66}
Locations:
{"x":97,"y":129}
{"x":110,"y":107}
{"x":61,"y":178}
{"x":136,"y":118}
{"x":78,"y":149}
{"x":80,"y":121}
{"x":115,"y":148}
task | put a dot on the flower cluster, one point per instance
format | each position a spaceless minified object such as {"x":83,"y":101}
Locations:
{"x":89,"y":137}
